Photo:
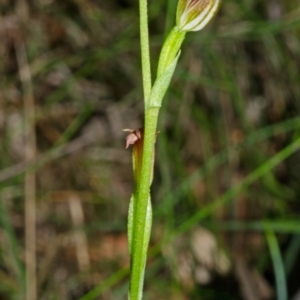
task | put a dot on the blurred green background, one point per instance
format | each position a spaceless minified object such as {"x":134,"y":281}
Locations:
{"x":227,"y":171}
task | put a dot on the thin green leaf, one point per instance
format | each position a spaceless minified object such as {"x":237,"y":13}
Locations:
{"x":170,"y":50}
{"x":162,"y":83}
{"x":278,"y":265}
{"x":106,"y":284}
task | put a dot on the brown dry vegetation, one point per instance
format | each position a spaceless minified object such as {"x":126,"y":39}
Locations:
{"x":70,"y":81}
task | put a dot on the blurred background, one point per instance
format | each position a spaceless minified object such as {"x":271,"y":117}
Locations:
{"x":227,"y":171}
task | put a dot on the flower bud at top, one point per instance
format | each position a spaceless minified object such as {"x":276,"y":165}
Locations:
{"x":193,"y":15}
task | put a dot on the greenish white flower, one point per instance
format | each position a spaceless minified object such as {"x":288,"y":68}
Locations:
{"x":193,"y":15}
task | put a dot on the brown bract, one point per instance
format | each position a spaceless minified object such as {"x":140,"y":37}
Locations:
{"x":136,"y":138}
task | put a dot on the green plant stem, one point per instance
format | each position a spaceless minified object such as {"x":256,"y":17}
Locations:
{"x":145,"y":50}
{"x":140,"y":222}
{"x":138,"y":256}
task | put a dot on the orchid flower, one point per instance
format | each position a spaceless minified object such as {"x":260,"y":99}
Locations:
{"x":193,"y":15}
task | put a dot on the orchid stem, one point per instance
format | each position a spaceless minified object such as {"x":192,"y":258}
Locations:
{"x":140,"y":213}
{"x":145,"y":50}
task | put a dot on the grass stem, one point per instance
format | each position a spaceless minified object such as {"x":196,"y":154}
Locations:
{"x":30,"y":177}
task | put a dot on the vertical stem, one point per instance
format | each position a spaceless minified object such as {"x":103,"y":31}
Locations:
{"x":30,"y":181}
{"x":145,"y":52}
{"x":140,"y":225}
{"x":138,"y":259}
